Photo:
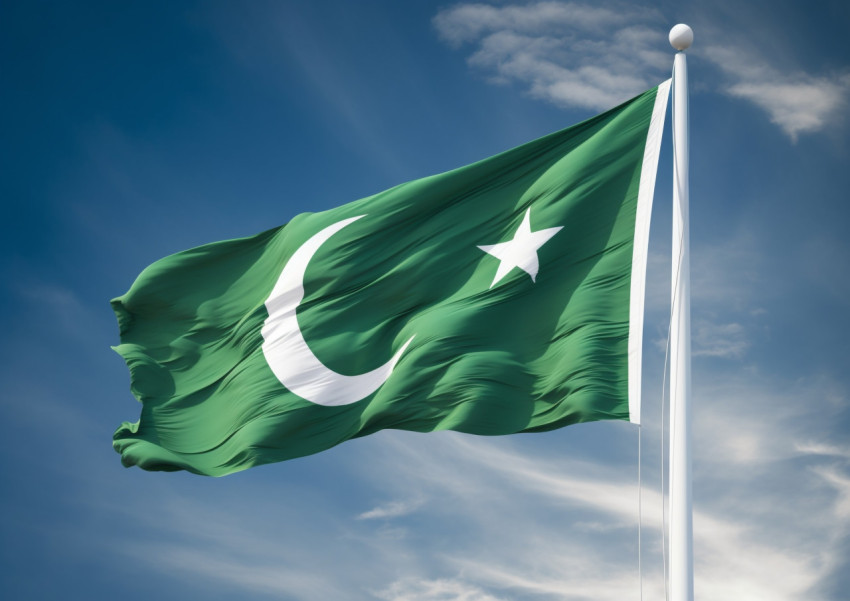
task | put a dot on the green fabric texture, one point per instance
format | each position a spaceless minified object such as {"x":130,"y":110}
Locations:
{"x":520,"y":356}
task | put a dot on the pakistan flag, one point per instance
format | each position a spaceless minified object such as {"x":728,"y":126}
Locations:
{"x":505,"y":296}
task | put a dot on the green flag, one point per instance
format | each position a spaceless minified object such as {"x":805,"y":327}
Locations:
{"x":505,"y":296}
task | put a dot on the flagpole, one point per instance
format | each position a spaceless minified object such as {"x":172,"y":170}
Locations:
{"x":681,"y":521}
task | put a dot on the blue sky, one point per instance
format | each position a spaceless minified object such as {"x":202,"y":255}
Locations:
{"x":134,"y":130}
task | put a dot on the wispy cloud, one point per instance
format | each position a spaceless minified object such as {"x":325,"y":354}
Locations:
{"x":434,"y":590}
{"x":819,"y":448}
{"x":570,"y":54}
{"x":719,"y":340}
{"x":391,"y":510}
{"x":797,"y":102}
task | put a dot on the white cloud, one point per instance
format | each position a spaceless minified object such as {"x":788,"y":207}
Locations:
{"x":468,"y":22}
{"x":569,"y":54}
{"x":799,"y":103}
{"x":819,"y":448}
{"x":433,"y":590}
{"x":571,"y":572}
{"x":391,"y":510}
{"x":719,"y":340}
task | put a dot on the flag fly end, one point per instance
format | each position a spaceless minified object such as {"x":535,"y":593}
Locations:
{"x":278,"y":346}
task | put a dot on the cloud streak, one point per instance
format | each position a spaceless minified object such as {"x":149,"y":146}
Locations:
{"x":569,"y":54}
{"x":416,"y":589}
{"x":799,"y":103}
{"x":391,"y":510}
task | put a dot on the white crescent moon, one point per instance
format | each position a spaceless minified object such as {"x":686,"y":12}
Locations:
{"x":287,"y":352}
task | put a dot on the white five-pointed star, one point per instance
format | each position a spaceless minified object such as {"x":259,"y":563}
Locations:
{"x":521,"y":251}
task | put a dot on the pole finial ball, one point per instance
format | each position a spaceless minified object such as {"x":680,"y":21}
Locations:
{"x":681,"y":36}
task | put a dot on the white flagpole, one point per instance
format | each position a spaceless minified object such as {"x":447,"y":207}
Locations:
{"x":681,"y":522}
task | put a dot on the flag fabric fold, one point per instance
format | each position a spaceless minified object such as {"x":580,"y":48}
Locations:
{"x":501,"y":297}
